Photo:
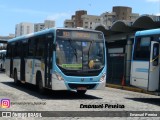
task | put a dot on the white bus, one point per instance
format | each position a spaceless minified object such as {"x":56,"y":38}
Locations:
{"x":2,"y":59}
{"x":58,"y":59}
{"x":145,"y":65}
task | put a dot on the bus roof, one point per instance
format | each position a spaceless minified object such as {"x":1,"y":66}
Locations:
{"x":46,"y":31}
{"x":148,"y":32}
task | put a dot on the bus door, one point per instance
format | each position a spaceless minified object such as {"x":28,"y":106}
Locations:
{"x":11,"y":60}
{"x":153,"y":83}
{"x":48,"y":55}
{"x":24,"y":48}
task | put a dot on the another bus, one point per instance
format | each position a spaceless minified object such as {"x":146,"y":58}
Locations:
{"x":2,"y":59}
{"x":145,"y":69}
{"x":58,"y":59}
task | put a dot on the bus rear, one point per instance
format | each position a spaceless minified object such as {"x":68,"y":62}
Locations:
{"x":2,"y":59}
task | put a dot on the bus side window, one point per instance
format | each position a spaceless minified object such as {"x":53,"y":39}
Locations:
{"x":8,"y":54}
{"x":155,"y":53}
{"x":40,"y":46}
{"x":24,"y":49}
{"x":31,"y":50}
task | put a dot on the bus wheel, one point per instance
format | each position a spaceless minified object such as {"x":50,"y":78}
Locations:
{"x":81,"y":92}
{"x":16,"y":81}
{"x":40,"y":84}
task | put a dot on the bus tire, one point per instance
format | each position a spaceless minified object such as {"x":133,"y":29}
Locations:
{"x":41,"y":89}
{"x":16,"y":81}
{"x":81,"y":92}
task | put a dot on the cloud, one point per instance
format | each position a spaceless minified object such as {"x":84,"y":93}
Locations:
{"x":50,"y":15}
{"x":153,"y":0}
{"x":29,"y":11}
{"x":23,"y":11}
{"x":57,"y":16}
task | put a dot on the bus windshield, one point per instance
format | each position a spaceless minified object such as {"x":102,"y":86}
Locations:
{"x":80,"y":54}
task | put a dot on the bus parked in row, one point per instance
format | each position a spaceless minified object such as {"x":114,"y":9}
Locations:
{"x":145,"y":65}
{"x":2,"y":59}
{"x":58,"y":59}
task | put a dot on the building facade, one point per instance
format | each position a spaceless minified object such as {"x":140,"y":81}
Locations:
{"x":106,"y":19}
{"x":122,"y":13}
{"x":90,"y":21}
{"x":46,"y":25}
{"x":69,"y":24}
{"x":27,"y":28}
{"x":24,"y":28}
{"x":38,"y":27}
{"x":76,"y":20}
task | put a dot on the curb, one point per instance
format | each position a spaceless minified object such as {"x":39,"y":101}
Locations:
{"x":134,"y":89}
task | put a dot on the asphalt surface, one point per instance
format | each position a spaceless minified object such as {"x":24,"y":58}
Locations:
{"x":26,"y":98}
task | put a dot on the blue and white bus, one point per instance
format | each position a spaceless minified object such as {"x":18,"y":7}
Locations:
{"x":2,"y":59}
{"x":145,"y":69}
{"x":58,"y":59}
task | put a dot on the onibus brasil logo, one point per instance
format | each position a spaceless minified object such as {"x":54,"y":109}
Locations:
{"x":5,"y":103}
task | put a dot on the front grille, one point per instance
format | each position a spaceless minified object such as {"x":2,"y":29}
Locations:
{"x":81,"y":72}
{"x":75,"y":86}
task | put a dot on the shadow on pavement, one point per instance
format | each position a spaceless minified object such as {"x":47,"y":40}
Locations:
{"x":2,"y":72}
{"x":50,"y":94}
{"x":154,"y":101}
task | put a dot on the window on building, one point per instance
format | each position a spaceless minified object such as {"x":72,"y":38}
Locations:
{"x":28,"y":30}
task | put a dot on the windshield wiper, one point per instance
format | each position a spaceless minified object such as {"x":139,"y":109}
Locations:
{"x":75,"y":50}
{"x":89,"y":49}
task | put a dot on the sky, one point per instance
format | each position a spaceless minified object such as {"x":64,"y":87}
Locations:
{"x":13,"y":12}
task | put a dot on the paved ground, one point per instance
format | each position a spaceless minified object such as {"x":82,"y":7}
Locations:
{"x":26,"y":98}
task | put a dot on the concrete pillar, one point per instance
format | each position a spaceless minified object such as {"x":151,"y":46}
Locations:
{"x":128,"y":53}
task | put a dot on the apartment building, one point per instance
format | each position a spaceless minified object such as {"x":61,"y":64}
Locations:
{"x":46,"y":25}
{"x":90,"y":21}
{"x":24,"y":28}
{"x":69,"y":24}
{"x":82,"y":19}
{"x":76,"y":20}
{"x":107,"y":19}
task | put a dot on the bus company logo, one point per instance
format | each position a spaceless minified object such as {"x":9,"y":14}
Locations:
{"x":5,"y":103}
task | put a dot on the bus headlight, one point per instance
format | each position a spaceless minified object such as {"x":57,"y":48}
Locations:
{"x":57,"y":76}
{"x":103,"y":77}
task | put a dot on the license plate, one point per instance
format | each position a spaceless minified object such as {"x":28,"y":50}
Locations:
{"x":81,"y":88}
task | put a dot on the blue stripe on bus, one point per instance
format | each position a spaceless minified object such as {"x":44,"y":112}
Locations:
{"x":141,"y":70}
{"x":140,"y":60}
